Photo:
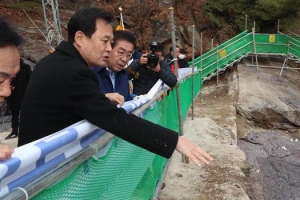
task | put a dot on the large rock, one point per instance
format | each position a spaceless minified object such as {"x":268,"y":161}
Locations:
{"x":268,"y":99}
{"x":186,"y":33}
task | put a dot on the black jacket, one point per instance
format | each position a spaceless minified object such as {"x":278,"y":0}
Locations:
{"x":19,"y":84}
{"x":168,"y":58}
{"x":63,"y":90}
{"x":182,"y":63}
{"x":144,"y":79}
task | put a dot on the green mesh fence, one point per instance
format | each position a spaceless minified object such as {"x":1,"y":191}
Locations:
{"x":271,"y":43}
{"x":125,"y":172}
{"x":186,"y":92}
{"x":129,"y":172}
{"x":226,"y":53}
{"x":294,"y":45}
{"x":230,"y":52}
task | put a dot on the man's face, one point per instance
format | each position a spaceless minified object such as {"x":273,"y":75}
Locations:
{"x":95,"y":50}
{"x":120,"y":55}
{"x":9,"y":67}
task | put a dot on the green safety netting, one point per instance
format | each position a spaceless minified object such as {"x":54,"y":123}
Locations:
{"x":125,"y":172}
{"x":294,"y":47}
{"x":186,"y":92}
{"x":224,"y":54}
{"x":271,"y":43}
{"x":129,"y":172}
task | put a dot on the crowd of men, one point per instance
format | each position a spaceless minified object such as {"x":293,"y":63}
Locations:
{"x":90,"y":79}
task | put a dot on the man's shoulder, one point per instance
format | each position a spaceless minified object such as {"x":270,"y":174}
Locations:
{"x":134,"y":62}
{"x":163,"y":63}
{"x":62,"y":66}
{"x":97,"y":68}
{"x":168,"y":57}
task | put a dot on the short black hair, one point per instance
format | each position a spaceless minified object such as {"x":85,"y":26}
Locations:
{"x":124,"y":35}
{"x":182,"y":50}
{"x":85,"y":20}
{"x":8,"y":36}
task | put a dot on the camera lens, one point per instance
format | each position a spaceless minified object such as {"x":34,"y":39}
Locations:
{"x":152,"y":60}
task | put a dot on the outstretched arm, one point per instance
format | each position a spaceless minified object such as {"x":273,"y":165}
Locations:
{"x":5,"y":152}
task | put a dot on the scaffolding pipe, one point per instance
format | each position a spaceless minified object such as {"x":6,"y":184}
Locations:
{"x":254,"y":46}
{"x":286,"y":60}
{"x":201,"y":63}
{"x":171,"y":9}
{"x":217,"y":52}
{"x":193,"y":64}
{"x":161,"y":181}
{"x":246,"y":22}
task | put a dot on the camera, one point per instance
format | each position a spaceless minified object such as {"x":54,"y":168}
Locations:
{"x":152,"y":57}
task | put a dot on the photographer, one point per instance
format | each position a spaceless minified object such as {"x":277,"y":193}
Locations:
{"x":147,"y":70}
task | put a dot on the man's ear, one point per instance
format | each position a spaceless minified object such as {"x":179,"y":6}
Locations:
{"x":78,"y":38}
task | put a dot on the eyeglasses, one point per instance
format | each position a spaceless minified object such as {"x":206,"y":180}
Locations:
{"x":123,"y":55}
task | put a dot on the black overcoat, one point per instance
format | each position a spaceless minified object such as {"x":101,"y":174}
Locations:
{"x":63,"y":90}
{"x":19,"y":85}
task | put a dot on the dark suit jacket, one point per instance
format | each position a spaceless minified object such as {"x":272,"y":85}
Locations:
{"x":62,"y":90}
{"x":20,"y":84}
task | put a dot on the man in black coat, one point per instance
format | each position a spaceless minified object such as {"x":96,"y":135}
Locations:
{"x":18,"y":88}
{"x":9,"y":66}
{"x":64,"y":90}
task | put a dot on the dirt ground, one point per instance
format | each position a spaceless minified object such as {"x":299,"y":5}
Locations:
{"x":271,"y":105}
{"x":213,"y":127}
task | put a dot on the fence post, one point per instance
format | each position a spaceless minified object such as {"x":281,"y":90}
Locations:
{"x":193,"y":61}
{"x":254,"y":46}
{"x":286,"y":60}
{"x":176,"y":72}
{"x":201,"y":64}
{"x":246,"y":22}
{"x":217,"y":52}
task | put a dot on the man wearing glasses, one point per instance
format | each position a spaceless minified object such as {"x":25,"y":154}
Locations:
{"x":113,"y":81}
{"x":9,"y":67}
{"x":64,"y":90}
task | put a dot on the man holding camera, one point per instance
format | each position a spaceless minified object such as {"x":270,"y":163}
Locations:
{"x":147,"y":70}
